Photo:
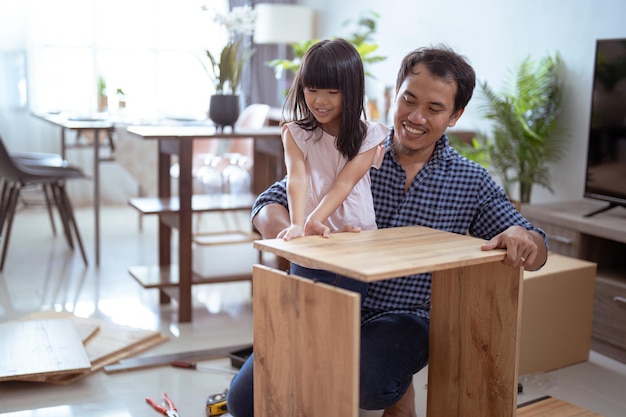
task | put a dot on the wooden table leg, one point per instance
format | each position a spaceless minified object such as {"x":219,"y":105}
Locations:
{"x":306,"y":347}
{"x":474,"y":332}
{"x":164,"y":191}
{"x":185,"y":192}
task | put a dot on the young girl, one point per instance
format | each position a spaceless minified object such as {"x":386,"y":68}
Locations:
{"x":329,"y":150}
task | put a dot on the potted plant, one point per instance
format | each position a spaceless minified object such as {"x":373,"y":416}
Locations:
{"x":121,"y":98}
{"x":226,"y":68}
{"x":526,"y":134}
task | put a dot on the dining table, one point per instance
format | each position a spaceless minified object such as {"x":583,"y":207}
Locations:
{"x":175,"y":212}
{"x":98,"y":127}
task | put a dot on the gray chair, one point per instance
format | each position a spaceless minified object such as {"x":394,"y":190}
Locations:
{"x":16,"y":174}
{"x":38,"y":159}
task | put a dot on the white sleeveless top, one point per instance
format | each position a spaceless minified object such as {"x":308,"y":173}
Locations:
{"x":324,"y":163}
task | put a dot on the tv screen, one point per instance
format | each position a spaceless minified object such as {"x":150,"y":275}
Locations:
{"x":606,"y":154}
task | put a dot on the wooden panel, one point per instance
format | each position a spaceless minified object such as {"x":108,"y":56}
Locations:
{"x":474,"y":329}
{"x":373,"y":255}
{"x":111,"y":343}
{"x":86,"y":329}
{"x":306,"y":347}
{"x":553,"y":407}
{"x":40,"y":348}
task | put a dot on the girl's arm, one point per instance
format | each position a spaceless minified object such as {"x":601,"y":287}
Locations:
{"x":344,"y":183}
{"x":296,"y":186}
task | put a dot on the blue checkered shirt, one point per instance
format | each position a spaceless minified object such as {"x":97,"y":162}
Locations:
{"x":449,"y":193}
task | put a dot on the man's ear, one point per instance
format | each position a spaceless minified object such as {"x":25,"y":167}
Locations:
{"x":455,"y":117}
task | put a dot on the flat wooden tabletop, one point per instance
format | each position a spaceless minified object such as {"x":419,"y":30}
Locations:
{"x":373,"y":255}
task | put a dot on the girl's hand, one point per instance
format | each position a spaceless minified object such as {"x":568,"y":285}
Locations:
{"x":316,"y":227}
{"x":292,"y":232}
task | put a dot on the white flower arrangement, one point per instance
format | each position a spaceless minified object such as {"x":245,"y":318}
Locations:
{"x":226,"y":72}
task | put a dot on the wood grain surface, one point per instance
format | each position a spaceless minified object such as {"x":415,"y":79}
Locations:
{"x":553,"y":407}
{"x":111,"y":343}
{"x":40,"y":348}
{"x":474,"y":324}
{"x":306,"y":347}
{"x":474,"y":329}
{"x":372,"y":255}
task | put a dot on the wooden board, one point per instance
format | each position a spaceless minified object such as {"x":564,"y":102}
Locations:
{"x":40,"y":348}
{"x":134,"y":349}
{"x":166,"y":359}
{"x":86,"y":330}
{"x":110,"y":344}
{"x":373,"y":255}
{"x":306,"y":347}
{"x":474,"y":327}
{"x":553,"y":407}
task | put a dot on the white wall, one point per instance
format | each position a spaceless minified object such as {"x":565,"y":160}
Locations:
{"x":495,"y":35}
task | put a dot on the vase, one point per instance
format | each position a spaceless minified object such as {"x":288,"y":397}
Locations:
{"x":224,"y":110}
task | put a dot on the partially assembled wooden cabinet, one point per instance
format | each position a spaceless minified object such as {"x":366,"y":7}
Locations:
{"x":306,"y":334}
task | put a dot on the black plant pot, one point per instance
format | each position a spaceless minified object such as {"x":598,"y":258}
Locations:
{"x":224,"y":110}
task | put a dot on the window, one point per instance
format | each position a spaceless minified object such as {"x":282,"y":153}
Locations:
{"x":149,"y":49}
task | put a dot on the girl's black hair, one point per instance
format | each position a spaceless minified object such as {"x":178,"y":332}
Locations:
{"x":332,"y":64}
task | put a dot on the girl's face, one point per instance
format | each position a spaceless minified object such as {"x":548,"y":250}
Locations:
{"x":326,"y":106}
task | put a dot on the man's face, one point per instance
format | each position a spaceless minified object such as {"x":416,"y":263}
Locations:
{"x":424,"y":110}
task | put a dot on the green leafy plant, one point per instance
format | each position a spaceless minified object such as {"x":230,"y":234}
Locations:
{"x":475,"y":151}
{"x":102,"y":86}
{"x":525,"y":135}
{"x":361,"y":37}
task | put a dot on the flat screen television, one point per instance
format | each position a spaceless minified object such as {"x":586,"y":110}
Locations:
{"x":606,"y":154}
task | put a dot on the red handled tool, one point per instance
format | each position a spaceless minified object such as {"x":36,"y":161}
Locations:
{"x":170,"y":411}
{"x":193,"y":365}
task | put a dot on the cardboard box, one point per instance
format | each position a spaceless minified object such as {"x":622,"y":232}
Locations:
{"x":557,"y":312}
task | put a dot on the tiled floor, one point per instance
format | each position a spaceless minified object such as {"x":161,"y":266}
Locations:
{"x":42,"y":274}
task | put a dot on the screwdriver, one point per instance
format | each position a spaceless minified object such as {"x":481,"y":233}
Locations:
{"x":193,"y":365}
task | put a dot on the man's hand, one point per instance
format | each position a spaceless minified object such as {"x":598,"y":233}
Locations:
{"x":523,"y":248}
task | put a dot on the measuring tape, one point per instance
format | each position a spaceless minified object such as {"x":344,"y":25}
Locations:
{"x":216,"y":404}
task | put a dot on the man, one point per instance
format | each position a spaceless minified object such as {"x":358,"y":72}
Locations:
{"x":421,"y":181}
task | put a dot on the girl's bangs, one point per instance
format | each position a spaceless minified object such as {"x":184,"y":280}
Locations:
{"x":321,"y":75}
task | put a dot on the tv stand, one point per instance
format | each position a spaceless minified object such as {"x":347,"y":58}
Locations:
{"x":600,"y":239}
{"x":602,"y":210}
